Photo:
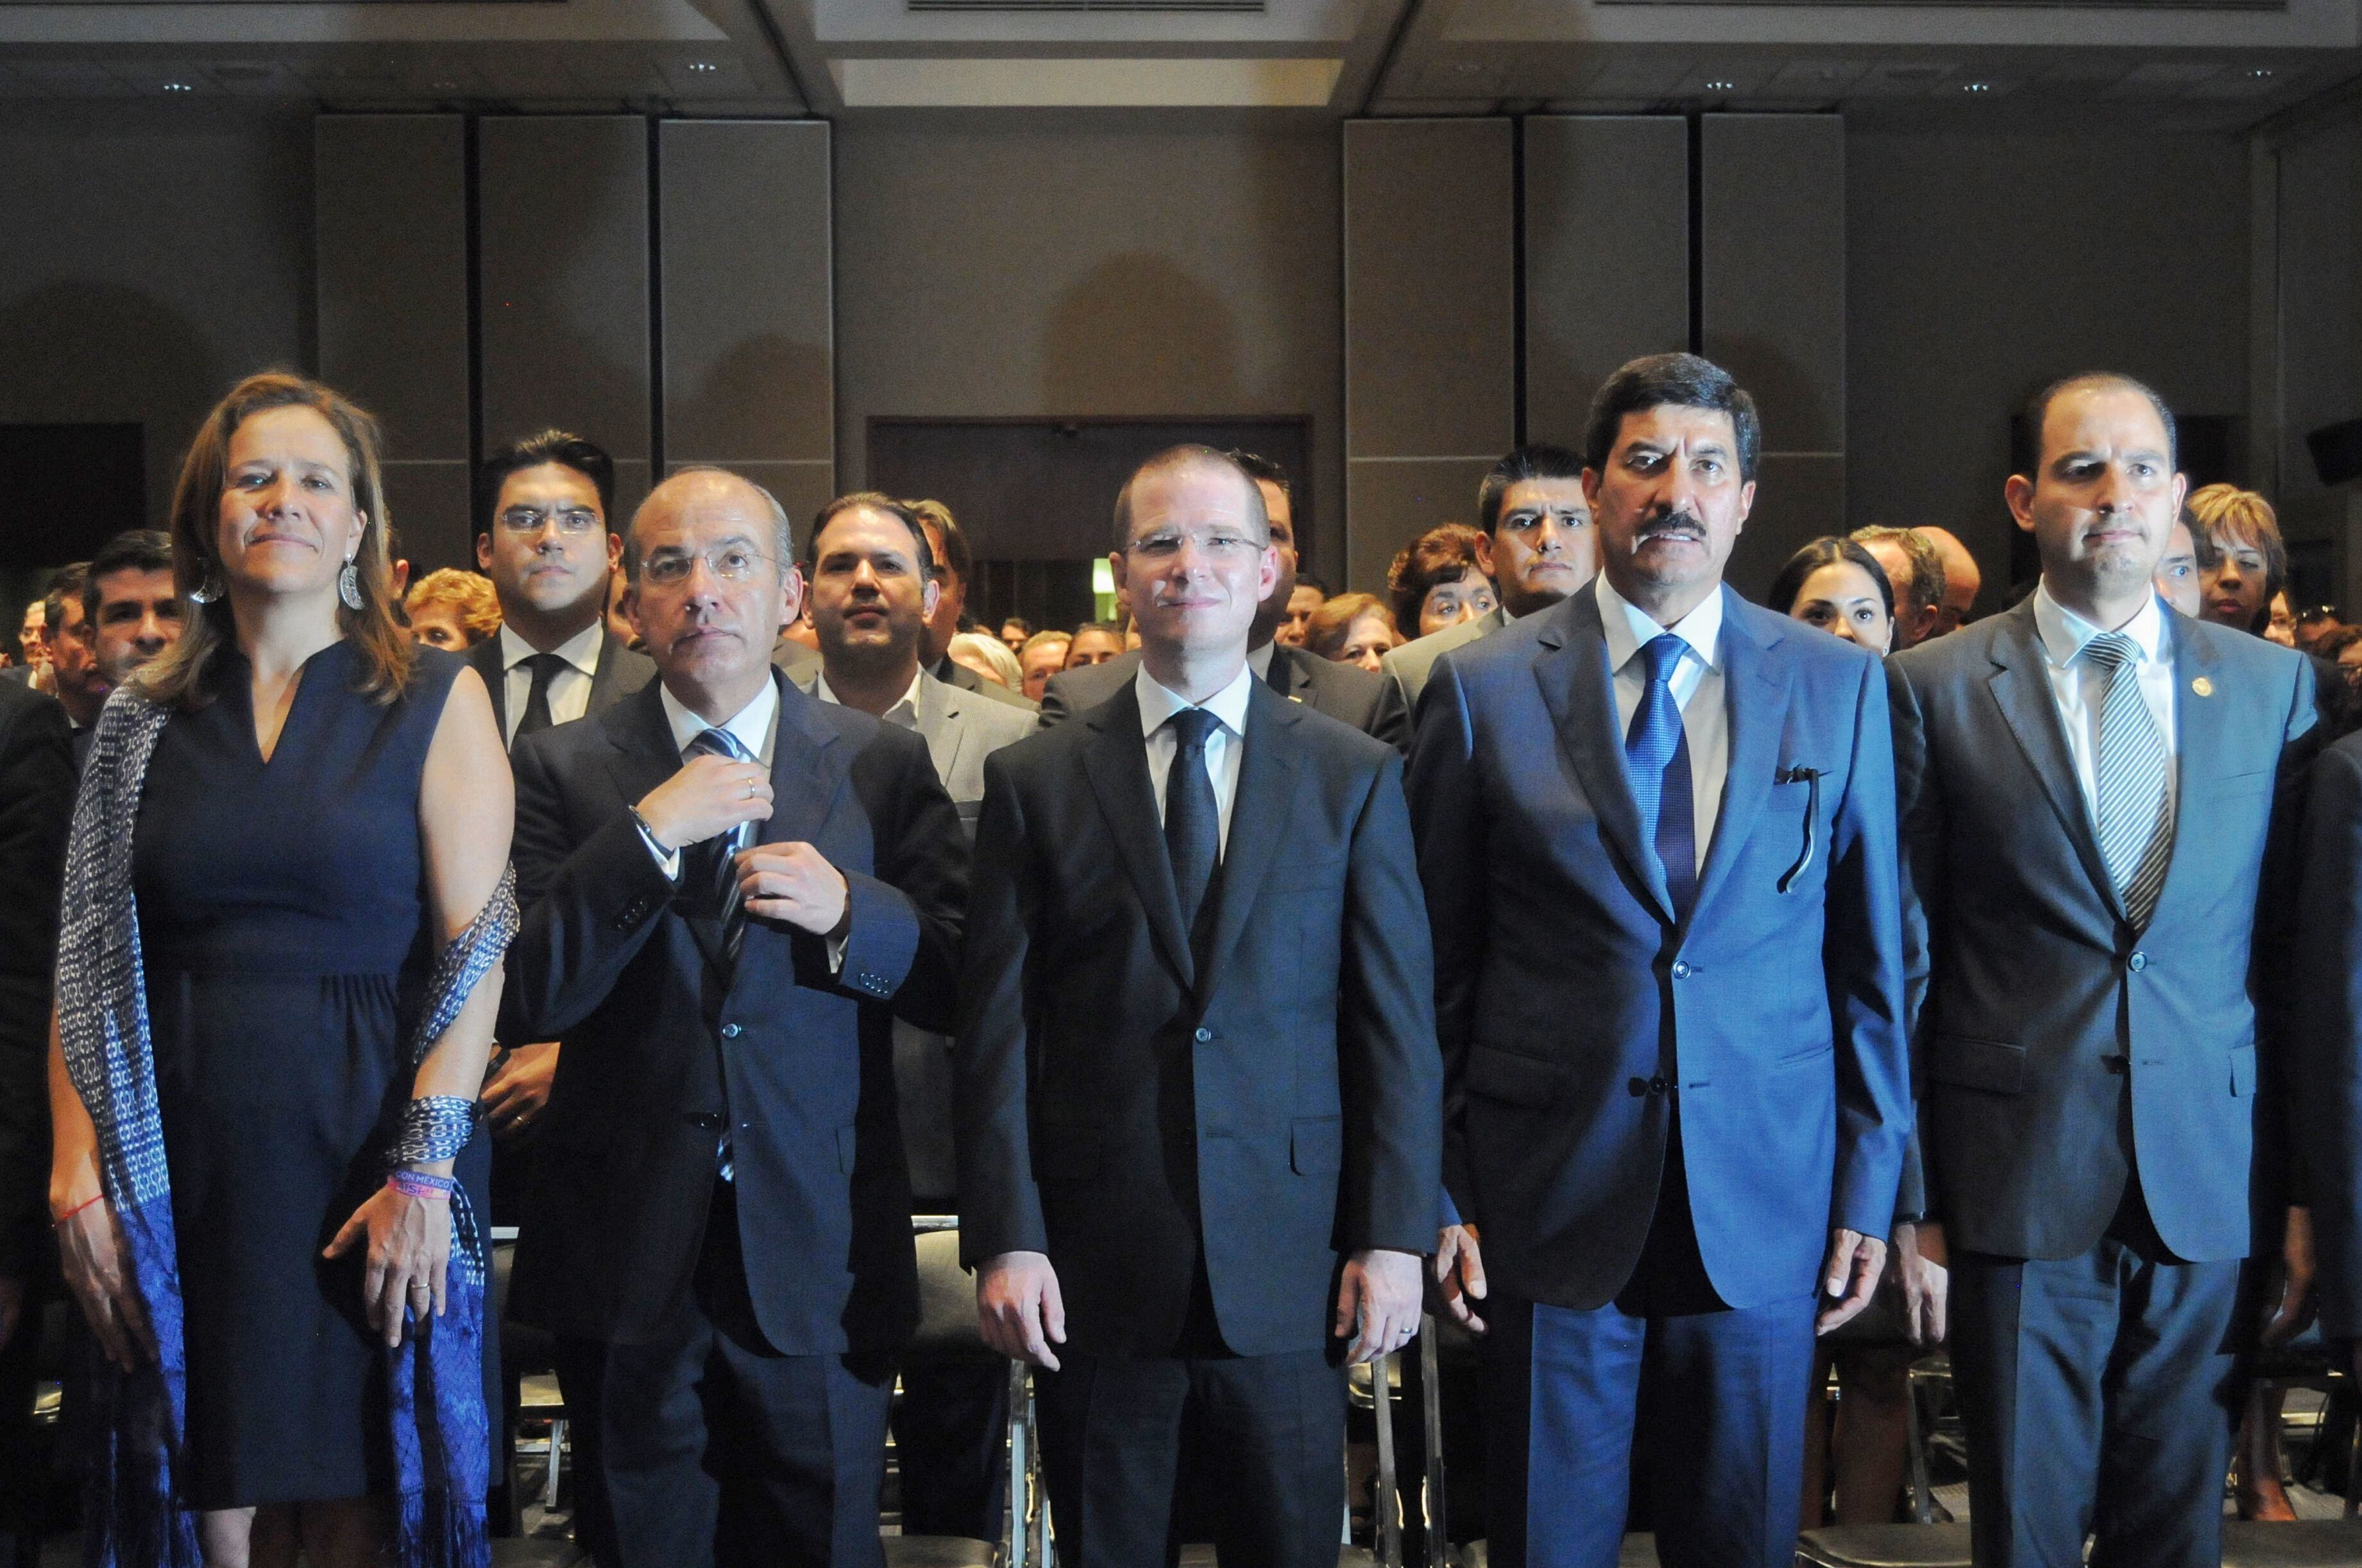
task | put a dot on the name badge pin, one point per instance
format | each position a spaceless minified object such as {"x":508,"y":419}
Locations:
{"x":2203,"y":686}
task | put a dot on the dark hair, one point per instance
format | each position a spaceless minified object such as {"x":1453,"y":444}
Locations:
{"x":2202,"y":548}
{"x":1025,"y":626}
{"x":1675,"y":381}
{"x":2038,"y":408}
{"x":1442,"y":555}
{"x":956,"y":558}
{"x":1538,"y":461}
{"x":2335,"y":641}
{"x":1258,"y":466}
{"x":71,"y":581}
{"x":133,"y":550}
{"x":1825,"y":551}
{"x":1114,"y":629}
{"x":875,"y":502}
{"x":1307,"y":580}
{"x":1187,"y":455}
{"x":558,"y":446}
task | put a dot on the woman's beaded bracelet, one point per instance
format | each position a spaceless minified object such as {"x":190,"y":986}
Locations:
{"x":420,"y":1184}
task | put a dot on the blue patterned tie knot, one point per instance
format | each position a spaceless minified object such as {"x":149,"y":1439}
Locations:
{"x":1193,"y":726}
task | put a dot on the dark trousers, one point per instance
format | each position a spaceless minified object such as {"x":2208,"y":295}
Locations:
{"x":1268,"y":1431}
{"x":950,"y":1437}
{"x":2100,"y":1393}
{"x":23,"y":1470}
{"x":1721,"y":1448}
{"x":714,"y":1448}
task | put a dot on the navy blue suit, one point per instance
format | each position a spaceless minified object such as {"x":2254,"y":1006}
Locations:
{"x":745,"y":1324}
{"x":1655,"y":1119}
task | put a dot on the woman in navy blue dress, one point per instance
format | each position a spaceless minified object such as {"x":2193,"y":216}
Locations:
{"x":325,"y":809}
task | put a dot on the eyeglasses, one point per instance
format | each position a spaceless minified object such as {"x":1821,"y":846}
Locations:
{"x":572,"y":521}
{"x":730,"y":563}
{"x":1221,"y":544}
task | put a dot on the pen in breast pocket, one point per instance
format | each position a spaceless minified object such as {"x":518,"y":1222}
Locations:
{"x":1811,"y":778}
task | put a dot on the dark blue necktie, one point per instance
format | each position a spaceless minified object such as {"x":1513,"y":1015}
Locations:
{"x":711,"y":867}
{"x":1192,"y":820}
{"x":1657,"y":754}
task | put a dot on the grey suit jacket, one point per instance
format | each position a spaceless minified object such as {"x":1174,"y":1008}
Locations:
{"x":961,"y":729}
{"x":951,"y":673}
{"x":1405,"y":668}
{"x":618,"y":673}
{"x":2045,"y":1023}
{"x":1350,"y":696}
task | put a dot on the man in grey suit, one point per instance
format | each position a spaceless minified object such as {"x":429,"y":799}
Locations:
{"x":871,"y":590}
{"x":1539,"y":547}
{"x":1347,"y":695}
{"x":2099,"y":801}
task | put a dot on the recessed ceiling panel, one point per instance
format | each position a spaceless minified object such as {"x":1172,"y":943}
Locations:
{"x":1086,"y":84}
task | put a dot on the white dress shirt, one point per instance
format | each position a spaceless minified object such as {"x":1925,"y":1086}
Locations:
{"x":570,"y":688}
{"x":903,"y":715}
{"x":1696,"y":683}
{"x":1225,"y":746}
{"x":2079,"y":685}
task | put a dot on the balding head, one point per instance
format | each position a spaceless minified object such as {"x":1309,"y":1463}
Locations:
{"x":1962,"y":581}
{"x":708,"y":488}
{"x":1190,"y":460}
{"x":711,"y":585}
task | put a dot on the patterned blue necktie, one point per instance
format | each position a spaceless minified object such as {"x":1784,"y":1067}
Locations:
{"x":2134,"y":810}
{"x":1657,"y":755}
{"x":712,"y":866}
{"x":1193,"y":817}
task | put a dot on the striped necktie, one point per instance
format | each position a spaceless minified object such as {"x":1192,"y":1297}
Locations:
{"x":711,"y":866}
{"x":2134,"y":811}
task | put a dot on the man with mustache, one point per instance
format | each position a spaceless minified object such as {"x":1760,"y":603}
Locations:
{"x":1539,"y":547}
{"x":1656,"y":829}
{"x":2099,"y":803}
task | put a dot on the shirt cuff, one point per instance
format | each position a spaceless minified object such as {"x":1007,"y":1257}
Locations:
{"x":836,"y":954}
{"x":667,"y":861}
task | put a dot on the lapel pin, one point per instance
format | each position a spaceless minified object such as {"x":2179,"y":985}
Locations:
{"x":2203,"y":686}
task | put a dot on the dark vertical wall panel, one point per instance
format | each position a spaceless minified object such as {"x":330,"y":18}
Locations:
{"x":389,"y":206}
{"x":1430,"y":355}
{"x":562,"y":224}
{"x":1607,"y":257}
{"x":1772,"y":292}
{"x":749,"y":348}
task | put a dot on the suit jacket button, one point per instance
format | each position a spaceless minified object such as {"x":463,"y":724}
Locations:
{"x":1637,"y":1087}
{"x":1680,"y":969}
{"x":1203,"y":1034}
{"x":2138,"y":962}
{"x":729,"y":1031}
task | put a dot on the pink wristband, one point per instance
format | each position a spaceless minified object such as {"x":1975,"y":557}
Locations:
{"x":420,"y":1184}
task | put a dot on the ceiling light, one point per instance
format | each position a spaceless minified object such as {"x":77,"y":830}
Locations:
{"x":1722,"y":86}
{"x":704,"y":66}
{"x":178,"y":87}
{"x":2260,"y":73}
{"x":1976,"y":86}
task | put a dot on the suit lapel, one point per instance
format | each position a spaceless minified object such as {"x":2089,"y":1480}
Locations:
{"x":1290,"y":678}
{"x":1116,"y":763}
{"x":1259,"y":818}
{"x":644,"y":757}
{"x":940,"y":724}
{"x":603,"y":674}
{"x":2201,"y":731}
{"x":2021,"y":688}
{"x":1577,"y":686}
{"x":808,"y":766}
{"x":1755,"y":698}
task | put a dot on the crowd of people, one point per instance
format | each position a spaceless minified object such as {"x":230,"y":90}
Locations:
{"x":1693,"y":999}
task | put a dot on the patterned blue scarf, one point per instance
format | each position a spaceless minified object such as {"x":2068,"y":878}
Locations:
{"x":135,"y":1514}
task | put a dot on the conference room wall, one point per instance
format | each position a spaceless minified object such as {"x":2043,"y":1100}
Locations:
{"x":1090,"y":265}
{"x":1980,"y":265}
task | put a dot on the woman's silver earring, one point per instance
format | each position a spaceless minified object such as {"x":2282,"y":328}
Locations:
{"x":210,"y":590}
{"x":348,"y":586}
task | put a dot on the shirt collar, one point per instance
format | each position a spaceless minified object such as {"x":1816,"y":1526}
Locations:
{"x":2064,"y":633}
{"x":1628,"y":629}
{"x":1157,"y":705}
{"x":904,"y":712}
{"x":751,"y":724}
{"x":581,"y":649}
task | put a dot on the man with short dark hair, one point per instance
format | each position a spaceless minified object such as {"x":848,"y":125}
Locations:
{"x":1350,"y":696}
{"x":1198,"y":1097}
{"x":1042,"y":655}
{"x":1308,"y":596}
{"x":133,"y":606}
{"x":73,"y":664}
{"x":731,"y":891}
{"x":1539,"y":546}
{"x":2100,"y":802}
{"x":1657,"y":833}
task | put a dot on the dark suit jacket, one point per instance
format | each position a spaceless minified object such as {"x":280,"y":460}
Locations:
{"x":1565,"y":987}
{"x":1353,"y":697}
{"x":2035,"y":1000}
{"x":618,"y":673}
{"x":37,"y":792}
{"x":1119,"y":1099}
{"x":2328,"y":1037}
{"x":661,"y":1054}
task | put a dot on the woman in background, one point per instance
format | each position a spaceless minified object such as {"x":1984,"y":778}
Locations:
{"x":1435,"y":581}
{"x":1838,"y":587}
{"x":452,"y":609}
{"x":260,"y":1080}
{"x":1353,"y":629}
